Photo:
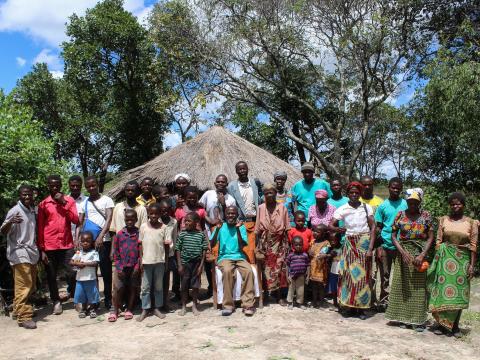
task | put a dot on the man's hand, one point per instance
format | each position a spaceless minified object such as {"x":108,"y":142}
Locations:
{"x":99,"y":243}
{"x":239,"y":223}
{"x":221,"y":198}
{"x":16,"y":219}
{"x":59,"y":198}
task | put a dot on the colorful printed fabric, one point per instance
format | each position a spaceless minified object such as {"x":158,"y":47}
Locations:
{"x":354,"y":273}
{"x":449,"y":284}
{"x":408,"y":295}
{"x":275,"y":249}
{"x":319,"y":267}
{"x":126,"y":249}
{"x":316,"y":217}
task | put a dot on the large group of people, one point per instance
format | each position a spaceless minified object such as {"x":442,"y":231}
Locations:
{"x":311,"y":240}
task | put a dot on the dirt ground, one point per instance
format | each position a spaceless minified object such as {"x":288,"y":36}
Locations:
{"x":274,"y":333}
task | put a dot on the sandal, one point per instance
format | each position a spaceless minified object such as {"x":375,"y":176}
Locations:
{"x":128,"y":315}
{"x":93,"y":314}
{"x":82,"y":314}
{"x":112,"y":317}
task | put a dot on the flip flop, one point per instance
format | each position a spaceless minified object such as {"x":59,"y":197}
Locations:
{"x":128,"y":315}
{"x":112,"y":317}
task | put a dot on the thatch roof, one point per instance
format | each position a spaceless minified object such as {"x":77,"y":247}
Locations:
{"x":214,"y":152}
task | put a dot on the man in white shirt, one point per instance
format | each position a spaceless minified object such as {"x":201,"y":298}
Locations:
{"x":98,"y":209}
{"x":215,"y":203}
{"x":246,"y":194}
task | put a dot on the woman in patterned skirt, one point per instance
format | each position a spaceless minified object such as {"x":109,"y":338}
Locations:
{"x":452,"y":268}
{"x":356,"y":260}
{"x":271,"y":230}
{"x":412,"y":235}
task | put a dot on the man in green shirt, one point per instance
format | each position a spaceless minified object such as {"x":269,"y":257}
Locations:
{"x":384,"y":218}
{"x":232,"y":237}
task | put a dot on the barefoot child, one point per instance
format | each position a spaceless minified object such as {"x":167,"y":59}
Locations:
{"x":126,"y":276}
{"x":86,"y":290}
{"x":297,"y":263}
{"x":319,"y":263}
{"x":190,"y":250}
{"x":154,"y":255}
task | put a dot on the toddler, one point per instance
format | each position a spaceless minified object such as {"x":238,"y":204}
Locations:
{"x":297,"y":263}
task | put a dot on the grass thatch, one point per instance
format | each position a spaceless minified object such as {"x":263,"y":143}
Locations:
{"x":209,"y":154}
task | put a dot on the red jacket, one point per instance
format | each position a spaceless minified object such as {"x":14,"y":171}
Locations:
{"x":55,"y":224}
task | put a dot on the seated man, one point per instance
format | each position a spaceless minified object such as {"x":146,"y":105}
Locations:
{"x":232,"y":237}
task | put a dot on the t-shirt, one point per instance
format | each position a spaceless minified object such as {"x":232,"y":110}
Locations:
{"x":304,"y":194}
{"x":297,"y":264}
{"x":171,"y":231}
{"x":126,"y":249}
{"x":228,"y":242}
{"x":88,"y":272}
{"x":374,"y":202}
{"x":337,"y":202}
{"x":210,"y":200}
{"x":385,"y":215}
{"x":181,"y":212}
{"x":118,"y":216}
{"x":102,"y":203}
{"x":21,"y":238}
{"x":191,"y":245}
{"x":355,"y":219}
{"x":305,"y":233}
{"x":153,"y":243}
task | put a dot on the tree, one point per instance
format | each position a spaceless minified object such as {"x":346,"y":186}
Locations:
{"x":171,"y":27}
{"x":25,"y":154}
{"x":109,"y":66}
{"x":267,"y":135}
{"x":317,"y":68}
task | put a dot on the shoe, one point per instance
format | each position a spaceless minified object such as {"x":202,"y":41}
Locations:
{"x":108,"y":305}
{"x":362,"y":316}
{"x":419,"y":328}
{"x":249,"y":311}
{"x":29,"y":324}
{"x":303,"y":307}
{"x":282,"y":302}
{"x":82,"y":314}
{"x":57,"y":308}
{"x":402,"y":326}
{"x":457,"y":334}
{"x":227,"y":312}
{"x":93,"y":314}
{"x":290,"y":306}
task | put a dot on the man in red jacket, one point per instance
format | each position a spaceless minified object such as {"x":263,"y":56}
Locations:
{"x":56,"y":213}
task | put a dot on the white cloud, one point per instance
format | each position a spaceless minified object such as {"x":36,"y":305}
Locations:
{"x":56,"y":74}
{"x":45,"y":20}
{"x":20,"y":61}
{"x":171,"y":140}
{"x":51,"y":59}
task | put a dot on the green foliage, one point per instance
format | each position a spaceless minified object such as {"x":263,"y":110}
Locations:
{"x":268,"y":136}
{"x":25,"y":154}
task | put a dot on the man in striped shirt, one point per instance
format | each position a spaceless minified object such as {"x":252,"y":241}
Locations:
{"x":190,"y":250}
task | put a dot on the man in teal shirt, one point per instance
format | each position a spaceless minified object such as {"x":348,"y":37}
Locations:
{"x":232,"y":237}
{"x":384,"y":217}
{"x":303,"y":191}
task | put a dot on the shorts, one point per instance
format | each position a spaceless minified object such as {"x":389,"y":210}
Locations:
{"x":128,"y":280}
{"x":86,"y":292}
{"x":332,"y":284}
{"x":189,"y":278}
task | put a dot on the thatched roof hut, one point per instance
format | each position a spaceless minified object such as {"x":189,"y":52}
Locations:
{"x":214,"y":152}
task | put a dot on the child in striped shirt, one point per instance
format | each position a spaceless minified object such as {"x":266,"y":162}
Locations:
{"x":190,"y":250}
{"x":297,"y":263}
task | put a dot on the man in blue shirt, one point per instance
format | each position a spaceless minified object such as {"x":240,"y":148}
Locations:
{"x":384,"y":218}
{"x":303,"y":191}
{"x":232,"y":238}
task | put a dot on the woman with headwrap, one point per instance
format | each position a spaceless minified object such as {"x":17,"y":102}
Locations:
{"x":271,"y":229}
{"x":181,"y":181}
{"x":356,"y":260}
{"x":412,"y":235}
{"x":453,"y":267}
{"x":321,"y":212}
